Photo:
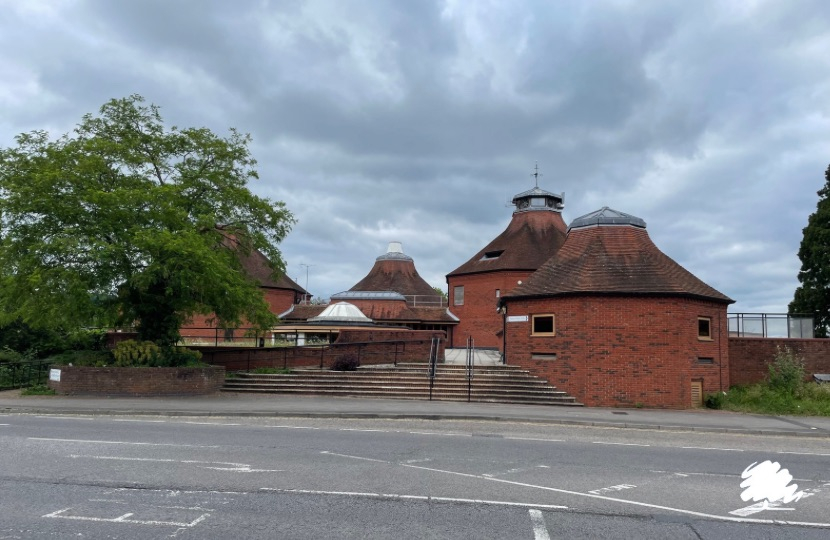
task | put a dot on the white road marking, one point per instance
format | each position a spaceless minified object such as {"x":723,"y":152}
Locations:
{"x":394,"y":496}
{"x":210,"y":424}
{"x":532,"y":439}
{"x":139,"y":420}
{"x":540,"y":530}
{"x":707,"y":448}
{"x":618,"y":487}
{"x":5,"y":424}
{"x":354,"y":457}
{"x":122,"y":442}
{"x":123,"y":519}
{"x":758,"y":507}
{"x":805,"y":453}
{"x":231,"y":467}
{"x":624,"y":501}
{"x":619,"y":443}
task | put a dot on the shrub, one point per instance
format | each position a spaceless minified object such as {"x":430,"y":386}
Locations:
{"x":136,"y":353}
{"x":37,"y":390}
{"x":346,"y":362}
{"x":84,"y":358}
{"x":787,"y":372}
{"x":715,"y":401}
{"x":179,"y":357}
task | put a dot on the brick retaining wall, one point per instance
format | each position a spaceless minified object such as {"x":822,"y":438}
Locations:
{"x":150,"y":381}
{"x":749,"y":357}
{"x":370,"y":347}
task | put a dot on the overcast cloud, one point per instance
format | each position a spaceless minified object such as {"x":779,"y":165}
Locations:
{"x":418,"y":121}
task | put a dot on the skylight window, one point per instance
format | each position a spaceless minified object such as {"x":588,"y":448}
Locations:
{"x":490,"y":255}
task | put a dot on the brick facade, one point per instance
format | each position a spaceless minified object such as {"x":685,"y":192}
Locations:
{"x":478,"y":316}
{"x":623,"y":351}
{"x":749,"y":357}
{"x":121,"y":381}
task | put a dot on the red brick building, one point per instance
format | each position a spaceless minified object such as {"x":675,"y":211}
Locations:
{"x":533,"y":235}
{"x":392,"y":294}
{"x":613,"y":321}
{"x":281,"y":292}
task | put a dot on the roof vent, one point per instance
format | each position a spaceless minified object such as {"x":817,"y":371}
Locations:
{"x":394,"y":252}
{"x":490,"y":255}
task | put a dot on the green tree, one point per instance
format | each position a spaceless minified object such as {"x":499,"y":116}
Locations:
{"x":813,"y":296}
{"x":124,"y":221}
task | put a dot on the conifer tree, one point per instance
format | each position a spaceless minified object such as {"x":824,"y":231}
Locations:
{"x":813,"y":296}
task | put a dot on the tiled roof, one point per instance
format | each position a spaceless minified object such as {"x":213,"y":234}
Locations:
{"x":613,"y":259}
{"x":398,"y":275}
{"x":256,"y":266}
{"x":530,"y":239}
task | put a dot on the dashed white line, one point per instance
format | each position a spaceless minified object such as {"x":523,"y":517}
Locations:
{"x":88,"y":441}
{"x":708,"y":448}
{"x":354,"y":457}
{"x":805,"y":453}
{"x":540,"y":530}
{"x":619,"y":443}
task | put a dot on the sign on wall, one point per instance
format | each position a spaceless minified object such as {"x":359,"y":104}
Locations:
{"x":517,"y":318}
{"x":55,"y":375}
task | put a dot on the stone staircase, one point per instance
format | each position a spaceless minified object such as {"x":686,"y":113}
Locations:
{"x":494,"y":384}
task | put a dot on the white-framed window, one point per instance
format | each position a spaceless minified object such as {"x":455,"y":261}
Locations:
{"x":498,"y":293}
{"x":458,"y":295}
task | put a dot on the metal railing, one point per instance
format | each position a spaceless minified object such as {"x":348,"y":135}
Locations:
{"x":770,"y":325}
{"x":23,"y":374}
{"x":426,"y":300}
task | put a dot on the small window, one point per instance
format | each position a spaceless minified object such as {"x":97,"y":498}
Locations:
{"x":704,"y":328}
{"x":705,"y":360}
{"x":538,"y":202}
{"x":490,"y":255}
{"x":458,"y":295}
{"x":498,"y":293}
{"x":542,"y":356}
{"x":543,"y":325}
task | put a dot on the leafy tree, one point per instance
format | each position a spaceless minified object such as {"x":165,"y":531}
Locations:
{"x":126,"y":222}
{"x":813,"y":296}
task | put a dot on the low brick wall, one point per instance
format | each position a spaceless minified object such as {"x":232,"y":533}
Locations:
{"x":120,"y":381}
{"x":749,"y":357}
{"x":370,"y":347}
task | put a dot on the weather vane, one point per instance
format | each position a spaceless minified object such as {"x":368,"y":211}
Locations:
{"x":536,"y":174}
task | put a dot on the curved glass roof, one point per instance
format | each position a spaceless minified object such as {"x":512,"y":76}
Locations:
{"x":607,"y":216}
{"x":341,"y":312}
{"x":368,"y":295}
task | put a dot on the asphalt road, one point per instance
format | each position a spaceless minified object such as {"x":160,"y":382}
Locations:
{"x":206,"y":478}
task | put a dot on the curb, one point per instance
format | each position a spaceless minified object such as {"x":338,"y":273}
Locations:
{"x":415,"y":416}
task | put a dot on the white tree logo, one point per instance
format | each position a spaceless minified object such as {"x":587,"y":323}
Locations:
{"x":768,"y":482}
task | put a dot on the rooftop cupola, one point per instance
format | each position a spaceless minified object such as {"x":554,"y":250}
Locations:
{"x":394,"y":253}
{"x":538,"y":199}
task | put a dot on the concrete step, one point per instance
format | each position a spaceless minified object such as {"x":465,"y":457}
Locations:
{"x":497,"y":384}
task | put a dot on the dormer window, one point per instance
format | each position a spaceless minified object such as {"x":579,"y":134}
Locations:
{"x":490,"y":255}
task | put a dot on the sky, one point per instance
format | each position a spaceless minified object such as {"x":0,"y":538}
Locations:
{"x":418,"y":120}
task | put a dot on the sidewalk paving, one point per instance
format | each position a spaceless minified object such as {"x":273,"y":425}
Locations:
{"x":275,"y":405}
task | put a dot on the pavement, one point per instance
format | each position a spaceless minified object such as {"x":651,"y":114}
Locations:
{"x":232,"y":404}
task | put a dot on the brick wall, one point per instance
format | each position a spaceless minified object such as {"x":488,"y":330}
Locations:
{"x":478,"y":316}
{"x":623,"y":351}
{"x":749,"y":357}
{"x":119,"y":381}
{"x":371,"y":347}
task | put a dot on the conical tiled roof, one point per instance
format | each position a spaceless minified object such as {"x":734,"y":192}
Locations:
{"x":608,"y":252}
{"x":530,"y":239}
{"x":394,"y":271}
{"x":257,"y":266}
